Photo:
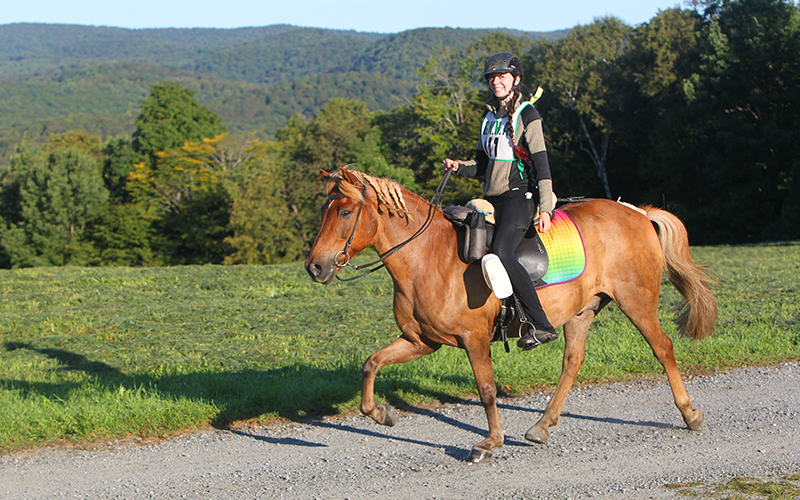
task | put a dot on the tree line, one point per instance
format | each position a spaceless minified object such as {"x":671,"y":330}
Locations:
{"x":695,"y":111}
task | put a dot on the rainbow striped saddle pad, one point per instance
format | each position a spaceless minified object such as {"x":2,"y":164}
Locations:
{"x":556,"y":256}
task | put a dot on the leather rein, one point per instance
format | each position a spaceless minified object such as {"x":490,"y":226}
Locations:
{"x":379,"y":263}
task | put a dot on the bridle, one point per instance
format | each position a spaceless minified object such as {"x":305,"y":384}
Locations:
{"x":379,"y":263}
{"x":352,"y":233}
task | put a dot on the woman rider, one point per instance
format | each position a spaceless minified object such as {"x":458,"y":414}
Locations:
{"x":513,"y":160}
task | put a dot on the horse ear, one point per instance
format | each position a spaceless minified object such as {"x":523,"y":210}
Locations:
{"x":349,"y":176}
{"x":325,"y":174}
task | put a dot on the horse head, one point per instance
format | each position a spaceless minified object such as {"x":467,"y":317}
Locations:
{"x":349,"y":224}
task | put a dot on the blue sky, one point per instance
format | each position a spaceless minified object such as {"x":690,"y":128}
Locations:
{"x":361,"y":15}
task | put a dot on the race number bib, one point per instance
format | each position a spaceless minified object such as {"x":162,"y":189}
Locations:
{"x":496,"y":138}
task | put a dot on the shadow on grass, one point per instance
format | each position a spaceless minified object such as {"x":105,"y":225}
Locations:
{"x":297,"y":393}
{"x":68,"y":360}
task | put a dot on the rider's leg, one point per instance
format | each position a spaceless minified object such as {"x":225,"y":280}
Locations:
{"x":513,"y":218}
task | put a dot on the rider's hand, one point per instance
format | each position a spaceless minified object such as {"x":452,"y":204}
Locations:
{"x":544,"y":222}
{"x":449,"y":165}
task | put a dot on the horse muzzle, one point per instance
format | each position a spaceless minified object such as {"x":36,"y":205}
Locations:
{"x":321,"y":272}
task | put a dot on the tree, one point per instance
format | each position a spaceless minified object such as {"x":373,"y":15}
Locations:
{"x":181,"y":173}
{"x":187,"y":191}
{"x":260,"y":222}
{"x":343,"y":133}
{"x":442,"y":120}
{"x":169,"y":117}
{"x":576,"y":71}
{"x":120,"y":158}
{"x":746,"y":99}
{"x":791,"y":206}
{"x":655,"y":135}
{"x":10,"y":198}
{"x":123,"y":235}
{"x":447,"y":110}
{"x":61,"y":192}
{"x":195,"y":234}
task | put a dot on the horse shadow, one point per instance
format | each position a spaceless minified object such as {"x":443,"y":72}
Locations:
{"x":288,"y":392}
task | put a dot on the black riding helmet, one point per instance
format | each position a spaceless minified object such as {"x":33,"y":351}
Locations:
{"x":504,"y":62}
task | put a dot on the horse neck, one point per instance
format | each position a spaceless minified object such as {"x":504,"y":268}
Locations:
{"x":429,"y":247}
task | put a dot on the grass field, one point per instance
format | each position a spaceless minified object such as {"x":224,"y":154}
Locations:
{"x":108,"y":353}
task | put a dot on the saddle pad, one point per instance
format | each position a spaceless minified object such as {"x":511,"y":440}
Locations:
{"x":565,"y":250}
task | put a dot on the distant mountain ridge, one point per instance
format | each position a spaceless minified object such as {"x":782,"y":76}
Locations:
{"x":54,"y":76}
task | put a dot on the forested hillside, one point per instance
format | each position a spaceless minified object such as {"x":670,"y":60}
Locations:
{"x":168,"y":147}
{"x":55,"y":78}
{"x":28,"y":48}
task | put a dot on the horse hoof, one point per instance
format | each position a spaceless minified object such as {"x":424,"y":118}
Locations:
{"x":389,"y":416}
{"x":694,"y":421}
{"x":537,"y":435}
{"x":479,"y":456}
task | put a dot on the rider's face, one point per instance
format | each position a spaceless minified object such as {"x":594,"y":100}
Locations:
{"x":501,"y":83}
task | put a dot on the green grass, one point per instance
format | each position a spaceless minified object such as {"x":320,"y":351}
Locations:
{"x":104,"y":353}
{"x":742,"y":488}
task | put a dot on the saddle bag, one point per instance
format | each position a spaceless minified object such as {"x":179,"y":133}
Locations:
{"x":475,"y":231}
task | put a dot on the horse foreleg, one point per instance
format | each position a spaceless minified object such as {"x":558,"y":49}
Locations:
{"x":575,"y":332}
{"x":399,"y":351}
{"x":481,"y":361}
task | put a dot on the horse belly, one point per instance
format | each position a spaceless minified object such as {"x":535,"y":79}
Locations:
{"x":443,"y":314}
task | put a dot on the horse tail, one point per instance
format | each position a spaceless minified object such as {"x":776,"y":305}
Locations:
{"x":698,"y":315}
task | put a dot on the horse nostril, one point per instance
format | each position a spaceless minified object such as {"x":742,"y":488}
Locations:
{"x":314,"y":269}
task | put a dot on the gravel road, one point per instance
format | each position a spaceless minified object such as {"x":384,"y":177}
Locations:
{"x":613,"y":441}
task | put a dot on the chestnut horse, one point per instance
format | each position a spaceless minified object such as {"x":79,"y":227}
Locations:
{"x":439,"y":300}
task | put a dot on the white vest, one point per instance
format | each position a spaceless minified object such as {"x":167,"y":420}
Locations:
{"x":495,"y":140}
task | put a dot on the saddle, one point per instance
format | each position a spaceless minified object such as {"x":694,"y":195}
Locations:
{"x":476,"y":231}
{"x":556,"y":256}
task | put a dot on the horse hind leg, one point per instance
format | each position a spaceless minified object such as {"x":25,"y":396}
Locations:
{"x":575,"y":333}
{"x":399,"y":351}
{"x":645,"y":318}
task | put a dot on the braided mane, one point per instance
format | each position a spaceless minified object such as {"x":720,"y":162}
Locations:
{"x":390,"y":194}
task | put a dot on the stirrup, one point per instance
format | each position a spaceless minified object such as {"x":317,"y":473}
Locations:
{"x":531,"y":341}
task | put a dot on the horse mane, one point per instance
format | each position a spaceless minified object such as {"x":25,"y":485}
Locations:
{"x":389,"y":192}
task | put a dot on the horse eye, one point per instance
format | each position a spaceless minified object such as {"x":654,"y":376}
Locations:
{"x":344,"y":213}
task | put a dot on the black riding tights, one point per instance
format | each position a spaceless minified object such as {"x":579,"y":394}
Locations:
{"x":512,"y":220}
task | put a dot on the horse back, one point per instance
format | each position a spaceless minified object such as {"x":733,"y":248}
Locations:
{"x":623,"y":256}
{"x":614,"y":232}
